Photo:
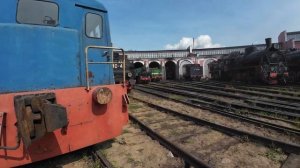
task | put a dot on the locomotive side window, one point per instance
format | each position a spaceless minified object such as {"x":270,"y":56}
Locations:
{"x":37,"y":12}
{"x":93,"y":25}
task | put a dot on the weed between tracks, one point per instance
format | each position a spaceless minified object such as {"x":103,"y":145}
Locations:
{"x":177,"y":97}
{"x":274,"y":154}
{"x":148,"y":115}
{"x":130,"y":159}
{"x":90,"y":161}
{"x":125,"y":131}
{"x":134,"y":106}
{"x":174,"y":132}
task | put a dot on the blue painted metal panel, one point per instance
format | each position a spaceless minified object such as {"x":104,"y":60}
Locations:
{"x":100,"y":73}
{"x":38,"y":57}
{"x":34,"y":57}
{"x":7,"y":12}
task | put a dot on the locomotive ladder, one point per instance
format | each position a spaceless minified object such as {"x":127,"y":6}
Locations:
{"x":87,"y":62}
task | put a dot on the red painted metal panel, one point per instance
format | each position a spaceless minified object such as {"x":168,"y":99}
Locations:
{"x":89,"y":123}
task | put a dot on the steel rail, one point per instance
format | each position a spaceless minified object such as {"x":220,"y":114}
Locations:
{"x":230,"y":107}
{"x":235,"y":110}
{"x":275,"y":127}
{"x":263,"y":101}
{"x":266,"y":89}
{"x":231,"y":104}
{"x":280,"y":99}
{"x":189,"y":159}
{"x":233,"y":86}
{"x":104,"y":163}
{"x":287,"y":147}
{"x":290,"y":88}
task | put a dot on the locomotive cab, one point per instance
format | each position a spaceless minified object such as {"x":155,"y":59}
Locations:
{"x":57,"y":88}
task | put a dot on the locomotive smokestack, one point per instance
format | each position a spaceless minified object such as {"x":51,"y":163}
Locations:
{"x":269,"y":42}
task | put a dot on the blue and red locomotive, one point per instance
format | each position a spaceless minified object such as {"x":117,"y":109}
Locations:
{"x":57,"y":88}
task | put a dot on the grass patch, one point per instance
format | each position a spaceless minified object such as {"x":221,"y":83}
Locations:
{"x":148,"y":115}
{"x":136,"y":126}
{"x":274,"y":154}
{"x":174,"y":132}
{"x":164,"y":125}
{"x":134,"y":106}
{"x":125,"y":131}
{"x":188,"y":141}
{"x":177,"y":97}
{"x":130,"y":159}
{"x":90,"y":161}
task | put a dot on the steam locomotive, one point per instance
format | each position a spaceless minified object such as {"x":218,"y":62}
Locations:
{"x":293,"y":60}
{"x":267,"y":66}
{"x":141,"y":75}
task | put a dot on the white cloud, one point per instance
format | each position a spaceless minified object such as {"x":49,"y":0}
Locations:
{"x":203,"y":41}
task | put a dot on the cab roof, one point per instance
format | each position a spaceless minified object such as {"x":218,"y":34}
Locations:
{"x":93,"y":4}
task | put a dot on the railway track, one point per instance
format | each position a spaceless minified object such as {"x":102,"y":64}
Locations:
{"x":287,"y":100}
{"x":287,"y":90}
{"x":184,"y":131}
{"x":101,"y":159}
{"x":228,"y":104}
{"x":84,"y":158}
{"x":189,"y":159}
{"x":257,"y":101}
{"x":215,"y":109}
{"x":135,"y":148}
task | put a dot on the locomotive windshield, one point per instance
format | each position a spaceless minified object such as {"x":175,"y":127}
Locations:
{"x":37,"y":12}
{"x":93,"y":27}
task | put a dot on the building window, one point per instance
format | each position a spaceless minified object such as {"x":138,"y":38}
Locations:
{"x":93,"y":25}
{"x":37,"y":12}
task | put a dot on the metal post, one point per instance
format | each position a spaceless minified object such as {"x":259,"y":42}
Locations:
{"x":87,"y":69}
{"x":124,"y":68}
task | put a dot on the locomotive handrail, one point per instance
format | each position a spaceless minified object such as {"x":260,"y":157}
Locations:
{"x":2,"y":120}
{"x":112,"y":62}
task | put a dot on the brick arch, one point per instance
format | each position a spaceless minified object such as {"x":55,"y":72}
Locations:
{"x":181,"y":68}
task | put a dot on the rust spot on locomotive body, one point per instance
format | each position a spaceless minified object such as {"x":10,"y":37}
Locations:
{"x":91,"y":75}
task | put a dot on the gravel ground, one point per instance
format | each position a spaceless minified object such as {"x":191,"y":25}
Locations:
{"x":215,"y":148}
{"x":77,"y":159}
{"x":134,"y":149}
{"x":216,"y":118}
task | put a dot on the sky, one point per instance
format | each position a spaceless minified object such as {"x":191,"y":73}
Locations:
{"x":172,"y":24}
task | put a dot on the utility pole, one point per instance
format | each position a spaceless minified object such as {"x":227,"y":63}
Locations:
{"x":193,"y":42}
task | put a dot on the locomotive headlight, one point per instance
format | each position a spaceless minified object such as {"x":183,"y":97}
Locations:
{"x":102,"y":95}
{"x":129,"y":74}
